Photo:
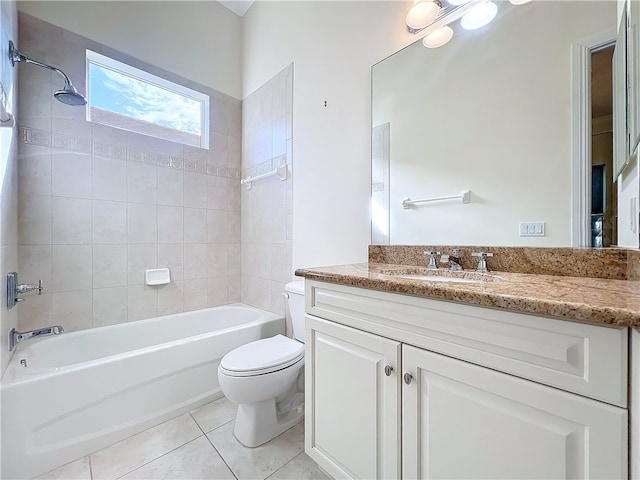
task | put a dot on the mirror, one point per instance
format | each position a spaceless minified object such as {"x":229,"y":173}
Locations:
{"x":633,"y":68}
{"x":493,"y":113}
{"x":621,"y":127}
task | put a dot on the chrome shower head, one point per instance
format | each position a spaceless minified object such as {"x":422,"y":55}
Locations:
{"x":70,"y":96}
{"x":67,"y":94}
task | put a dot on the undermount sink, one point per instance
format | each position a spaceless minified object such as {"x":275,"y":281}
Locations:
{"x":438,"y":278}
{"x":446,"y":276}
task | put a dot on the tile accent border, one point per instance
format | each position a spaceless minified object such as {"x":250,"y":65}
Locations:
{"x":33,"y":136}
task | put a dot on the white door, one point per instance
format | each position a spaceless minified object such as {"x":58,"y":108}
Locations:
{"x":352,"y":404}
{"x":465,"y":421}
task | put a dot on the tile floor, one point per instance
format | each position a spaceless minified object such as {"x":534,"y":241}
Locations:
{"x":197,"y":445}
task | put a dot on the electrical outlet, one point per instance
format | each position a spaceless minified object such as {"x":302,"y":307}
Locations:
{"x":532,"y":229}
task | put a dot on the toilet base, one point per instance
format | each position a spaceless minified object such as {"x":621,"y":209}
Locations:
{"x":258,"y":423}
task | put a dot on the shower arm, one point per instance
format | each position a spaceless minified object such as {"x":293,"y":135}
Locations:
{"x":17,"y":57}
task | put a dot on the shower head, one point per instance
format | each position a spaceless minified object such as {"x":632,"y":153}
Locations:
{"x":67,"y":94}
{"x":70,"y":96}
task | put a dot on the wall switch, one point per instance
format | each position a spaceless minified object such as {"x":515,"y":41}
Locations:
{"x":532,"y":229}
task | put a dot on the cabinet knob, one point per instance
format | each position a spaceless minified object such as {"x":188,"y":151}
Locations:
{"x":407,"y":378}
{"x":387,"y":370}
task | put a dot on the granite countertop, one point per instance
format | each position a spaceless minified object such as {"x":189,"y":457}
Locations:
{"x":592,"y":300}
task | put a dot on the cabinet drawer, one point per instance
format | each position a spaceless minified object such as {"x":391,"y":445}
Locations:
{"x":585,"y":359}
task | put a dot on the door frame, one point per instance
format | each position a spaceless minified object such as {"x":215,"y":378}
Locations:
{"x":581,"y":52}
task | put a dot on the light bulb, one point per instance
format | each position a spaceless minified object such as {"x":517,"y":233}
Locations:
{"x":438,"y":37}
{"x":479,"y":16}
{"x":519,"y":2}
{"x":422,"y":14}
{"x":457,"y":2}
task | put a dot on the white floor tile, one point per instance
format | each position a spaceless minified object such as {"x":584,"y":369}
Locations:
{"x":196,"y":459}
{"x":214,"y":414}
{"x":123,"y":457}
{"x":260,"y":462}
{"x":300,"y":468}
{"x":77,"y":470}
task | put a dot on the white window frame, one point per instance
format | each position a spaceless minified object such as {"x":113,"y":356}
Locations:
{"x":107,"y":62}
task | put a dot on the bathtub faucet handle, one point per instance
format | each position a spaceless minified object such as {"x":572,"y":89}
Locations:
{"x":24,"y":288}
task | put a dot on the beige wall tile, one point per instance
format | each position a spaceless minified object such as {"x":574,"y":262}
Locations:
{"x":109,"y":306}
{"x":109,"y":222}
{"x":142,"y":223}
{"x":73,"y":310}
{"x":170,"y":187}
{"x":171,"y":298}
{"x":139,"y":259}
{"x":170,"y":224}
{"x":71,"y":268}
{"x":71,"y":174}
{"x":110,"y":266}
{"x":72,"y":221}
{"x":171,"y":256}
{"x":109,"y":179}
{"x":142,"y":302}
{"x":142,"y":183}
{"x":35,"y":221}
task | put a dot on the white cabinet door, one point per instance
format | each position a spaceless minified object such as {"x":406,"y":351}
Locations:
{"x":352,"y":415}
{"x":465,"y":421}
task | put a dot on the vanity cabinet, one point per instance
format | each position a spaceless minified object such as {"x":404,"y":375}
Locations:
{"x":395,"y":391}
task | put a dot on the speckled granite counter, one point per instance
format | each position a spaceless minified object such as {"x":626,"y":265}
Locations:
{"x":592,"y":300}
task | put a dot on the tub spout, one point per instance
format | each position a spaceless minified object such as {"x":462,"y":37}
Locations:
{"x":16,"y":337}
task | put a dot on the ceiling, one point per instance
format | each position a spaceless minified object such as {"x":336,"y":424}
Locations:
{"x":239,"y":7}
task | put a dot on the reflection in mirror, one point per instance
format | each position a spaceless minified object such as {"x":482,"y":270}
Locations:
{"x":490,"y":112}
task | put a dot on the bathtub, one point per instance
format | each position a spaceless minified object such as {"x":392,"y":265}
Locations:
{"x":82,"y":391}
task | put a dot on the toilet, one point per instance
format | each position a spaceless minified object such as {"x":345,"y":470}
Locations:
{"x":266,"y":379}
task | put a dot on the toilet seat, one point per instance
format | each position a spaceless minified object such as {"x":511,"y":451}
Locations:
{"x":262,"y":356}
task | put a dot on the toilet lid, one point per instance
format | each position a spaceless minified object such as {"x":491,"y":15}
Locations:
{"x":262,"y":356}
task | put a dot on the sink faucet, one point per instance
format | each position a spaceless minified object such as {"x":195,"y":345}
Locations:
{"x":453,"y":260}
{"x":433,"y":264}
{"x":16,"y":337}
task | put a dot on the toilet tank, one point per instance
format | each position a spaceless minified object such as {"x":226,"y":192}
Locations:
{"x":295,"y":298}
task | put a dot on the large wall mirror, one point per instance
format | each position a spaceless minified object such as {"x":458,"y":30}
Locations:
{"x":492,"y":117}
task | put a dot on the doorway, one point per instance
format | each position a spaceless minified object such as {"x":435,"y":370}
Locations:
{"x":603,"y":213}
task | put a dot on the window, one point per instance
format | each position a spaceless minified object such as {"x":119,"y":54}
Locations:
{"x":125,"y":97}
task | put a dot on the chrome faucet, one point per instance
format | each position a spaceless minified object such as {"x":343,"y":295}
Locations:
{"x":16,"y":337}
{"x":482,"y":263}
{"x":14,"y":289}
{"x":453,"y":260}
{"x":433,"y":264}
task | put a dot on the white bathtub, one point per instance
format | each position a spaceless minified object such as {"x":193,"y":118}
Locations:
{"x":85,"y":390}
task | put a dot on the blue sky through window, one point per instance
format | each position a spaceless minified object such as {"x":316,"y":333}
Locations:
{"x":126,"y":95}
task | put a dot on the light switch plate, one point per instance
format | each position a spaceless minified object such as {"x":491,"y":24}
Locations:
{"x":532,"y":229}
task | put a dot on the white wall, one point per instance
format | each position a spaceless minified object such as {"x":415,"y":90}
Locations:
{"x":332,"y":46}
{"x":8,"y":178}
{"x":197,"y":40}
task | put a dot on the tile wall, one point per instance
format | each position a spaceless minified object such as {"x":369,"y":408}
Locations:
{"x":267,"y":210}
{"x":98,"y":205}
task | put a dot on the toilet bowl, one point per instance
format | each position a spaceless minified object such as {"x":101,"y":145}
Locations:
{"x":266,"y":379}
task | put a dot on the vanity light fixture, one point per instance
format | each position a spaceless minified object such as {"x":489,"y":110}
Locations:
{"x":422,"y":14}
{"x":432,"y":18}
{"x":479,"y":16}
{"x":438,"y":37}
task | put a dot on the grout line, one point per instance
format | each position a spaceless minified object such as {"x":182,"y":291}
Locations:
{"x":90,"y":467}
{"x":284,"y":465}
{"x":220,"y":454}
{"x":157,"y":458}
